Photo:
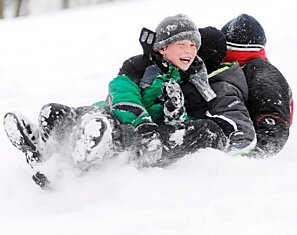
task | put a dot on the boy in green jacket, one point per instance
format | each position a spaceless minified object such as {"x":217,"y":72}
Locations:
{"x":142,"y":114}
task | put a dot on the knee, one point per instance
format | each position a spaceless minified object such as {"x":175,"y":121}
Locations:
{"x":51,"y":114}
{"x":53,"y":109}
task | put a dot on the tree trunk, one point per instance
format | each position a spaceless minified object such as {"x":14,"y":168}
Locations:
{"x":66,"y":4}
{"x":1,"y":9}
{"x":18,"y":8}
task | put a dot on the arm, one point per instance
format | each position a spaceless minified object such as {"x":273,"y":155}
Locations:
{"x":230,"y":113}
{"x":125,"y":101}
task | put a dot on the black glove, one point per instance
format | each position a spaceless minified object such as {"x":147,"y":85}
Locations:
{"x":147,"y":39}
{"x":257,"y":153}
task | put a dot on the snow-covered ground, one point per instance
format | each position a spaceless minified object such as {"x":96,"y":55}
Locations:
{"x":69,"y":57}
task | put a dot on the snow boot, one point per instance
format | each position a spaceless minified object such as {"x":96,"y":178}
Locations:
{"x":92,"y":140}
{"x":23,"y":135}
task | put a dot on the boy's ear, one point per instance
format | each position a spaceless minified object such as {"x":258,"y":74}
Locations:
{"x":162,"y":51}
{"x":147,"y":39}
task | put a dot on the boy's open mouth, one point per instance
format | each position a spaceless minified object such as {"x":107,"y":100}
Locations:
{"x":185,"y":59}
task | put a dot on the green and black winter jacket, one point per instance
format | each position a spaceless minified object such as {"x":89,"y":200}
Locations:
{"x":134,"y":102}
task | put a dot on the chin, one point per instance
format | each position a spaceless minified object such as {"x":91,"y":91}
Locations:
{"x":184,"y":68}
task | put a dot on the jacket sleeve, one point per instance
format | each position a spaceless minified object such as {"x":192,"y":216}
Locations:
{"x":152,"y":98}
{"x":228,"y":110}
{"x":270,"y":104}
{"x":124,"y":101}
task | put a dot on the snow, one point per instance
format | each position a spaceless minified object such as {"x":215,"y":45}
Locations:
{"x":69,"y":57}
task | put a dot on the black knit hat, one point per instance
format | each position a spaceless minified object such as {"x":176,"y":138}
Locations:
{"x":213,"y":47}
{"x":176,"y":28}
{"x":244,"y":33}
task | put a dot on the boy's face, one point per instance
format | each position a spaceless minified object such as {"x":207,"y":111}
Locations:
{"x":180,"y":53}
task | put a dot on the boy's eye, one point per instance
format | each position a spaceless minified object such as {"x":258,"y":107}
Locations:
{"x":180,"y":44}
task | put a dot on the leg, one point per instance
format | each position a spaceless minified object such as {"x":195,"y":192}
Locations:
{"x":182,"y":139}
{"x":23,"y":135}
{"x":92,"y":137}
{"x":147,"y":145}
{"x":56,"y":119}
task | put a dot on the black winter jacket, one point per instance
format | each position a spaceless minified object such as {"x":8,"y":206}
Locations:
{"x":227,"y":109}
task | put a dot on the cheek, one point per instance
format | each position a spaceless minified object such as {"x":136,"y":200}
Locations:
{"x":194,"y":51}
{"x":171,"y":57}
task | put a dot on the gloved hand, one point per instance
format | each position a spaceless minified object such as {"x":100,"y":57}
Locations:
{"x":238,"y":144}
{"x":148,"y":144}
{"x":174,"y":109}
{"x":257,"y":152}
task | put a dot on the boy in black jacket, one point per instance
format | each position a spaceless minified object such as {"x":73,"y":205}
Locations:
{"x":270,"y":102}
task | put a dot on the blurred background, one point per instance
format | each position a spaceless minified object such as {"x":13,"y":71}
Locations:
{"x":18,"y":8}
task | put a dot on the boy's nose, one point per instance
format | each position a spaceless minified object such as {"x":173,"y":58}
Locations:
{"x":187,"y":48}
